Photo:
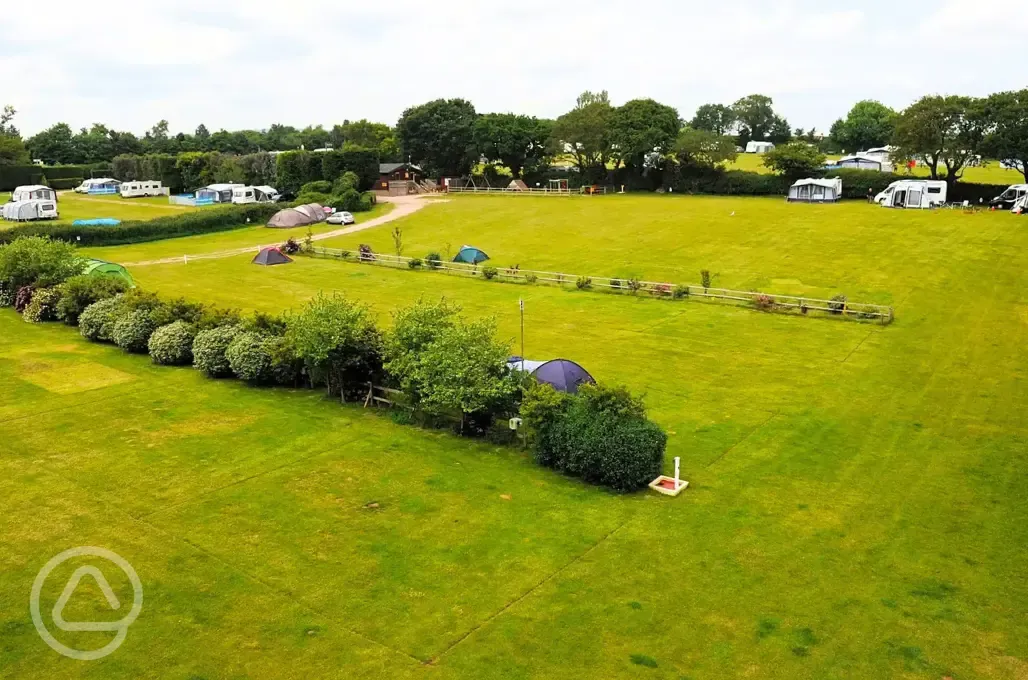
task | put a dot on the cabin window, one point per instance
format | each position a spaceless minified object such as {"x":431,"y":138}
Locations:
{"x":48,"y":206}
{"x":935,"y":190}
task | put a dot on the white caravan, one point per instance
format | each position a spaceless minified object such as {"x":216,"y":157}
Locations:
{"x":913,"y":193}
{"x":30,"y":209}
{"x":816,"y":191}
{"x":33,"y":192}
{"x":755,"y":146}
{"x":137,"y":189}
{"x":261,"y":194}
{"x":96,"y":184}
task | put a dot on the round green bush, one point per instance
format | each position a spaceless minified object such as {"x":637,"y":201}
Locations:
{"x":133,"y":330}
{"x":43,"y":306}
{"x":96,"y":322}
{"x":248,"y":357}
{"x":172,"y":345}
{"x":209,"y":351}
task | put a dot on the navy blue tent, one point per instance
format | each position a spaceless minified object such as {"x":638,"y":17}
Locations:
{"x":470,"y":255}
{"x":563,"y":375}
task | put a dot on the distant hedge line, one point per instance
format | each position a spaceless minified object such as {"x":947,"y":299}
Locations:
{"x":13,"y":176}
{"x":190,"y":223}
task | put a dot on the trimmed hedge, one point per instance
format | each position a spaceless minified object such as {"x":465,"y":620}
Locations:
{"x":13,"y":176}
{"x":249,"y":358}
{"x":65,"y":172}
{"x":209,"y":351}
{"x":133,"y":330}
{"x":97,"y":321}
{"x":79,"y":292}
{"x":63,"y":184}
{"x":190,"y":223}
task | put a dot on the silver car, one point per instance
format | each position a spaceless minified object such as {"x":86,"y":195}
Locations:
{"x":341,"y":217}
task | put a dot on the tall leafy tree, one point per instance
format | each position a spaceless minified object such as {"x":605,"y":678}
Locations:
{"x":53,"y":145}
{"x":716,"y":118}
{"x":281,"y":138}
{"x":12,"y":149}
{"x":440,"y":136}
{"x":795,"y":160}
{"x":942,"y":132}
{"x":869,"y":124}
{"x":703,"y":148}
{"x":314,"y":137}
{"x":1007,"y":116}
{"x":643,"y":127}
{"x":513,"y":140}
{"x":757,"y":120}
{"x":584,"y":132}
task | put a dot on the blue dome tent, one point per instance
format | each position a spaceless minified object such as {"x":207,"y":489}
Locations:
{"x":563,"y":375}
{"x":470,"y":255}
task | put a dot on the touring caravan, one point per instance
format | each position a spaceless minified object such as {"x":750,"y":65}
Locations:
{"x":98,"y":185}
{"x":33,"y":192}
{"x":261,"y":194}
{"x":755,"y":146}
{"x":137,"y":189}
{"x":1009,"y":198}
{"x":916,"y":193}
{"x":29,"y":209}
{"x":816,"y":191}
{"x":216,"y":193}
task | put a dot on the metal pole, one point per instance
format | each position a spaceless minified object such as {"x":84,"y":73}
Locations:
{"x":521,"y":304}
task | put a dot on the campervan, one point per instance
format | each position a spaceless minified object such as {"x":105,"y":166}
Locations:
{"x":1021,"y":206}
{"x":137,"y":189}
{"x":914,"y":193}
{"x":261,"y":194}
{"x":1010,"y":197}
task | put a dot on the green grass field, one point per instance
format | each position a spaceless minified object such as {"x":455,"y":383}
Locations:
{"x":857,"y":506}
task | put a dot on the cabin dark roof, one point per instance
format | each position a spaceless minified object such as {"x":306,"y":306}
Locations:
{"x":389,"y":168}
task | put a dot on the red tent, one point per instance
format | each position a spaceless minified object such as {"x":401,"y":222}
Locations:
{"x":270,"y":256}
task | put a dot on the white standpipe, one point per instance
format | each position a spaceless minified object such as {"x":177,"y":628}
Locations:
{"x":677,"y":462}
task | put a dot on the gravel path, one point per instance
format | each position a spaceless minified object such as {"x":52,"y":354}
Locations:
{"x":402,"y":207}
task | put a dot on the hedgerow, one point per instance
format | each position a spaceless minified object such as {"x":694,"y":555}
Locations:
{"x":132,"y":331}
{"x":172,"y":345}
{"x":209,"y":351}
{"x":96,"y":323}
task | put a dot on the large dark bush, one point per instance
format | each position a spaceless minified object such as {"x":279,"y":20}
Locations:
{"x":79,"y":292}
{"x":23,"y":298}
{"x":43,"y":306}
{"x":209,"y":351}
{"x":187,"y":223}
{"x":14,"y":176}
{"x":133,"y":330}
{"x":172,"y":345}
{"x":320,"y":186}
{"x":97,"y":321}
{"x":601,"y":435}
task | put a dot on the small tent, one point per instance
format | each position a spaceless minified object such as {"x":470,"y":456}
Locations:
{"x":270,"y":256}
{"x":816,"y":191}
{"x":470,"y":255}
{"x":103,"y":268}
{"x":300,"y":216}
{"x":517,"y":185}
{"x":563,"y":375}
{"x":754,"y":146}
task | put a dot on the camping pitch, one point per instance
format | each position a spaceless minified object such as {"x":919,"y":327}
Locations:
{"x":270,"y":256}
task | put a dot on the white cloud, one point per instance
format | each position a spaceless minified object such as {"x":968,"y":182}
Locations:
{"x":247,"y":64}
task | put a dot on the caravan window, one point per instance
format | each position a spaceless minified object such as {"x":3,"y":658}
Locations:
{"x":935,"y":190}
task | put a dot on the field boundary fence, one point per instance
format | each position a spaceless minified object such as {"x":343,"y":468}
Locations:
{"x":769,"y":302}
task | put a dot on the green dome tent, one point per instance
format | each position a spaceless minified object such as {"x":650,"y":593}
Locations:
{"x":103,"y":268}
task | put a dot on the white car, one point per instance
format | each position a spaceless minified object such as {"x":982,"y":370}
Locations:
{"x":341,"y":217}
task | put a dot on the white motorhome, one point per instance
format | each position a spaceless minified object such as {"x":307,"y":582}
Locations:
{"x":913,"y":193}
{"x":137,"y":189}
{"x":1009,"y":198}
{"x":1021,"y":206}
{"x":261,"y":194}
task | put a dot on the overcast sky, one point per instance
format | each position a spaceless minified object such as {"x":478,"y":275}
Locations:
{"x":233,"y":64}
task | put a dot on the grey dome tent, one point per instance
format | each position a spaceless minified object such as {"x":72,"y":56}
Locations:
{"x":300,"y":216}
{"x":270,"y":256}
{"x":563,"y":375}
